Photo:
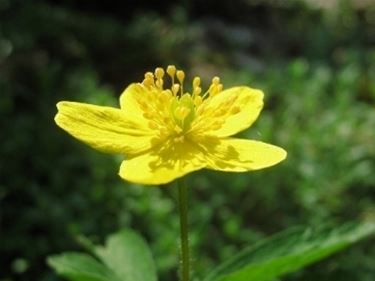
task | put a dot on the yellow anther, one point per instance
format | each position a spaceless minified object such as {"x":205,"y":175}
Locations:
{"x":180,"y":76}
{"x":213,"y":90}
{"x":216,"y":80}
{"x":178,"y":129}
{"x":219,"y":88}
{"x":197,"y":91}
{"x":196,"y":82}
{"x":171,"y":70}
{"x":179,"y":139}
{"x":159,"y":73}
{"x":165,"y":96}
{"x":198,"y":101}
{"x":181,"y":112}
{"x":148,"y":82}
{"x":159,"y":83}
{"x":149,"y":75}
{"x":175,"y":89}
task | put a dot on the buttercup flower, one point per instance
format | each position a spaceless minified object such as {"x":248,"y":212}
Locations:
{"x":167,"y":132}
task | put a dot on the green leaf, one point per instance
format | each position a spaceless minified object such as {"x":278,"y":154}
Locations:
{"x":128,"y":256}
{"x":81,"y":267}
{"x":287,"y":252}
{"x":125,"y":257}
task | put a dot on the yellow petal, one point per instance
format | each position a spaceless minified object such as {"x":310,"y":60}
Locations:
{"x":163,"y":164}
{"x":239,"y":155}
{"x":243,"y":110}
{"x":131,"y":97}
{"x":104,"y":128}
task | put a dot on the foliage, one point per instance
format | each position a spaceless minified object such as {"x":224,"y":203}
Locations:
{"x":126,"y":256}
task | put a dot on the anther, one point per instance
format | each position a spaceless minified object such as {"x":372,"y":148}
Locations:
{"x":159,"y":73}
{"x":181,"y":112}
{"x":179,"y":139}
{"x":219,"y":87}
{"x":159,"y":83}
{"x":175,"y":89}
{"x":180,"y":76}
{"x":198,"y":101}
{"x":216,"y":80}
{"x":196,"y":82}
{"x":197,"y":91}
{"x":171,"y":70}
{"x":149,"y":75}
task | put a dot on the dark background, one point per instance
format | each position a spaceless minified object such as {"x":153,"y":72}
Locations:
{"x":315,"y":64}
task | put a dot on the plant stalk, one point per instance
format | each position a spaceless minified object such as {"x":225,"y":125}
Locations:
{"x":184,"y":235}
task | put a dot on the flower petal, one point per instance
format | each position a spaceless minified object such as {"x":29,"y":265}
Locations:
{"x":105,"y":128}
{"x":131,"y":97}
{"x":246,"y":104}
{"x":239,"y":155}
{"x":163,"y":164}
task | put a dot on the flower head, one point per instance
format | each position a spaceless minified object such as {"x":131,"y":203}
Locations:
{"x":165,"y":132}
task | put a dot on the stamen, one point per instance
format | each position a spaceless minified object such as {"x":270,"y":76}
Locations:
{"x":159,"y":83}
{"x":219,"y":88}
{"x":196,"y":82}
{"x":198,"y":101}
{"x":175,"y":89}
{"x":179,"y":139}
{"x":216,"y":80}
{"x":149,"y":79}
{"x":171,"y":70}
{"x":149,"y":75}
{"x":181,"y":76}
{"x":181,"y":112}
{"x":197,"y":91}
{"x":159,"y":73}
{"x":176,"y":112}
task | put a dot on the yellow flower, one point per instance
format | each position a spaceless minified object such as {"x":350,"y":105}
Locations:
{"x":166,"y":133}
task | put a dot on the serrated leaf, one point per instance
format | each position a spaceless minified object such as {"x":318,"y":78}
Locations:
{"x":81,"y":267}
{"x":128,"y":256}
{"x":287,"y":252}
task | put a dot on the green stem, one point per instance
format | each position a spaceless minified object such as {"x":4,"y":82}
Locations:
{"x":183,"y":210}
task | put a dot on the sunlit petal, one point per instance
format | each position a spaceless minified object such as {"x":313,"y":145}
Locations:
{"x":105,"y":128}
{"x":231,"y":111}
{"x":132,"y":97}
{"x":239,"y":155}
{"x":163,"y":164}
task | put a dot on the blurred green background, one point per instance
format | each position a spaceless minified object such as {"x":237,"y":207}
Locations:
{"x":313,"y":59}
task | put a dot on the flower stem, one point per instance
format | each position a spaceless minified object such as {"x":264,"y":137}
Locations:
{"x":183,"y":210}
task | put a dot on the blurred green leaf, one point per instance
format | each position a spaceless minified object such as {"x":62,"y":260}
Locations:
{"x":287,"y":252}
{"x":125,"y":257}
{"x":129,"y":256}
{"x":81,"y":267}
